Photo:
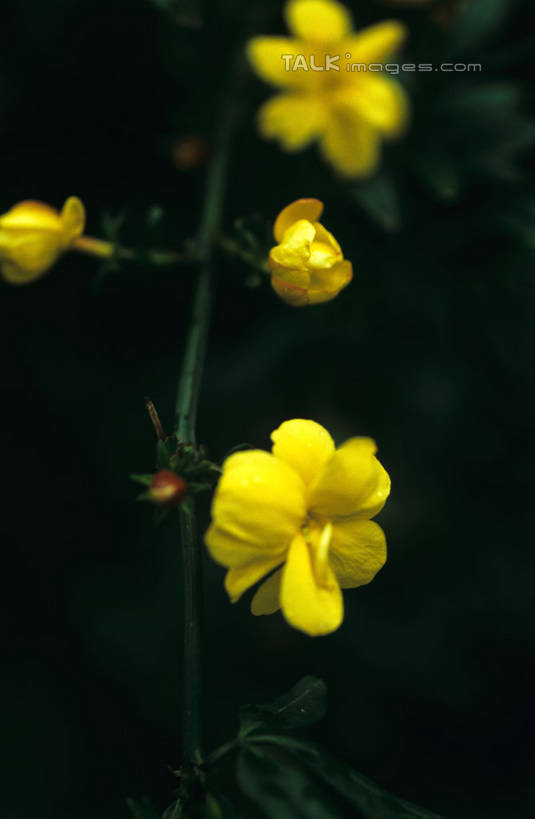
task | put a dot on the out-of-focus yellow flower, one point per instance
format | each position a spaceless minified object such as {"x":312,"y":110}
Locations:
{"x":33,"y":236}
{"x":307,"y":506}
{"x":325,"y":95}
{"x":307,"y":265}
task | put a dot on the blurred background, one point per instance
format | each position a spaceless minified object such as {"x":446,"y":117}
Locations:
{"x":429,"y":351}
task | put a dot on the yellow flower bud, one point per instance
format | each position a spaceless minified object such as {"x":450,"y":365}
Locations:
{"x":33,"y":235}
{"x":307,"y":266}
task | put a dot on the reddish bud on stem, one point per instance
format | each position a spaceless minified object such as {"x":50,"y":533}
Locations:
{"x":167,"y":488}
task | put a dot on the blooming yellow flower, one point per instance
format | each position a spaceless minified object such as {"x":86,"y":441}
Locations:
{"x":307,"y":506}
{"x":307,"y":265}
{"x":33,"y":235}
{"x":325,"y":95}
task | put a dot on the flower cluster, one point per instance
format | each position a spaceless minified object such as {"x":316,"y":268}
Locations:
{"x":305,"y":511}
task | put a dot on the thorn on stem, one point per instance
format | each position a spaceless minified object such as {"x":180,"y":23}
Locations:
{"x":155,"y":418}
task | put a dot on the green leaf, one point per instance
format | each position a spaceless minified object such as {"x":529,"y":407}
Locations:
{"x":379,"y":198}
{"x":143,"y":809}
{"x":218,"y":806}
{"x":303,"y":705}
{"x":442,"y":176}
{"x":370,"y":799}
{"x":174,"y":811}
{"x":195,"y":487}
{"x":281,"y":790}
{"x":144,"y":480}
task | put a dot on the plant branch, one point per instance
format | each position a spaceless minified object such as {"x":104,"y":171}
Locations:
{"x":185,"y":428}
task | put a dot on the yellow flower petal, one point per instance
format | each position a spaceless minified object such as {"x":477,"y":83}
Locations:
{"x":375,"y":43}
{"x":357,"y":551}
{"x":380,"y":101}
{"x":267,"y":598}
{"x":293,"y":294}
{"x":326,"y":284}
{"x":294,"y":251}
{"x":309,"y":209}
{"x":72,"y":218}
{"x":324,"y":250}
{"x":318,"y":21}
{"x":303,"y":444}
{"x":294,"y":119}
{"x":241,"y":578}
{"x":31,"y":215}
{"x":258,"y":506}
{"x":265,"y":55}
{"x":313,"y":608}
{"x":350,"y":144}
{"x":352,"y":482}
{"x":30,"y":257}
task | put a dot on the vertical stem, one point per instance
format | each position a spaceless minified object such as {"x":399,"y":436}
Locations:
{"x":186,"y":413}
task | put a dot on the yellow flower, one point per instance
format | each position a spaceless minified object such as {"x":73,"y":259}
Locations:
{"x":325,"y":95}
{"x":307,"y":506}
{"x":307,"y":266}
{"x":33,"y":236}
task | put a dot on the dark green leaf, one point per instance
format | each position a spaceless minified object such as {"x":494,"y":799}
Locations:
{"x":195,"y":487}
{"x":174,"y":811}
{"x":379,"y":198}
{"x":218,"y":806}
{"x":142,"y":809}
{"x":441,"y":175}
{"x":144,"y":480}
{"x":370,"y":799}
{"x":281,"y":790}
{"x":303,"y":705}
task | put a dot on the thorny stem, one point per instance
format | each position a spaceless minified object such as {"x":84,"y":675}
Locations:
{"x":185,"y":422}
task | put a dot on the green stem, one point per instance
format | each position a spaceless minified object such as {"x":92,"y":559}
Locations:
{"x":109,"y":250}
{"x":185,"y":422}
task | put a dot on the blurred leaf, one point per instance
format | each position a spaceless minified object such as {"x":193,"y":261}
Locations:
{"x":218,"y":806}
{"x":174,"y":811}
{"x":441,"y":175}
{"x":144,"y":480}
{"x":143,"y":809}
{"x":154,"y":216}
{"x":379,"y":198}
{"x":361,"y":792}
{"x":185,"y":13}
{"x":195,"y":487}
{"x":487,"y":101}
{"x":112,"y":223}
{"x":521,"y":222}
{"x":478,"y":20}
{"x":282,"y":791}
{"x":303,"y":705}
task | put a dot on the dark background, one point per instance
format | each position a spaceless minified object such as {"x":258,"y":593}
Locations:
{"x":429,"y":351}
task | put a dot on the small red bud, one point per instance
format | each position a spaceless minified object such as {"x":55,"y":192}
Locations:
{"x":189,"y":152}
{"x":167,"y":488}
